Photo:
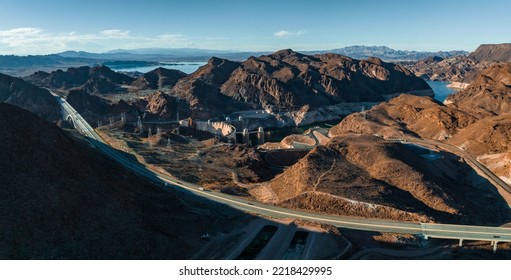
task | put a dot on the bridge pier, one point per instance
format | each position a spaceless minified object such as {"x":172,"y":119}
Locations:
{"x":461,"y":243}
{"x":494,"y":243}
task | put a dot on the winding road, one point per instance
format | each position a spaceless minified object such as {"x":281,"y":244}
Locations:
{"x":494,"y":234}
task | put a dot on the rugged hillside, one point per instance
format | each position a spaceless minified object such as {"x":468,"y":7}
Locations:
{"x":407,"y":114}
{"x":475,"y":119}
{"x":93,"y":107}
{"x":488,"y":139}
{"x":22,"y":94}
{"x":201,"y":90}
{"x":165,"y":106}
{"x":283,"y":81}
{"x":394,"y":182}
{"x":287,"y":80}
{"x":492,"y":52}
{"x":461,"y":69}
{"x":61,"y":199}
{"x":94,"y":80}
{"x":156,"y":105}
{"x":489,"y":94}
{"x":158,"y":78}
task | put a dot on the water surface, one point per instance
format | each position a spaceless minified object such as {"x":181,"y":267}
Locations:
{"x":440,"y":89}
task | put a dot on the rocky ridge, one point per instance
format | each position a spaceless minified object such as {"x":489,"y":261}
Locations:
{"x":39,"y":101}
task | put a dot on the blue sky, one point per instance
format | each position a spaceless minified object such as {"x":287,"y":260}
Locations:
{"x":42,"y":27}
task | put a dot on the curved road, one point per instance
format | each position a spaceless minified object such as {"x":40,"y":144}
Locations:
{"x":166,"y":182}
{"x":463,"y":154}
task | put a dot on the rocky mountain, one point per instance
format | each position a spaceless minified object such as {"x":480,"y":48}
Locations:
{"x":488,"y":95}
{"x":93,"y":107}
{"x":363,"y":175}
{"x":94,"y":80}
{"x":492,"y":52}
{"x":164,"y":106}
{"x":488,"y":139}
{"x":407,"y":114}
{"x":24,"y":95}
{"x":156,"y":105}
{"x":287,"y":80}
{"x":201,"y":89}
{"x":475,"y":119}
{"x":283,"y":81}
{"x":462,"y":68}
{"x":158,"y":78}
{"x":62,"y":199}
{"x":388,"y":54}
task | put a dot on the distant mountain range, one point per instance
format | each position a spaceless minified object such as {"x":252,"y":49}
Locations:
{"x":387,"y":54}
{"x":358,"y":52}
{"x":26,"y":65}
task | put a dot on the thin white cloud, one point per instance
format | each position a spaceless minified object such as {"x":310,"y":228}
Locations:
{"x":286,"y":33}
{"x":22,"y":41}
{"x":115,"y":33}
{"x":20,"y":32}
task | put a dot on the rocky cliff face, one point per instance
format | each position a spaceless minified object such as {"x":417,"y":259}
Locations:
{"x":24,"y":95}
{"x":492,"y":52}
{"x":62,"y":199}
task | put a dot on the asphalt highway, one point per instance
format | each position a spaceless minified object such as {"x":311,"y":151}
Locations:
{"x":168,"y":183}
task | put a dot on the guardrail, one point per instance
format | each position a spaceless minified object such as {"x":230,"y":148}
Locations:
{"x":461,"y":232}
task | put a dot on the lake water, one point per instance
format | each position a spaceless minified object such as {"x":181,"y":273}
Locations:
{"x":187,"y":67}
{"x":441,"y":90}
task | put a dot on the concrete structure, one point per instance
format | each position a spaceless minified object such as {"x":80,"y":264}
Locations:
{"x":139,"y":124}
{"x":461,"y":232}
{"x":260,"y":136}
{"x":246,"y":136}
{"x":217,"y":128}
